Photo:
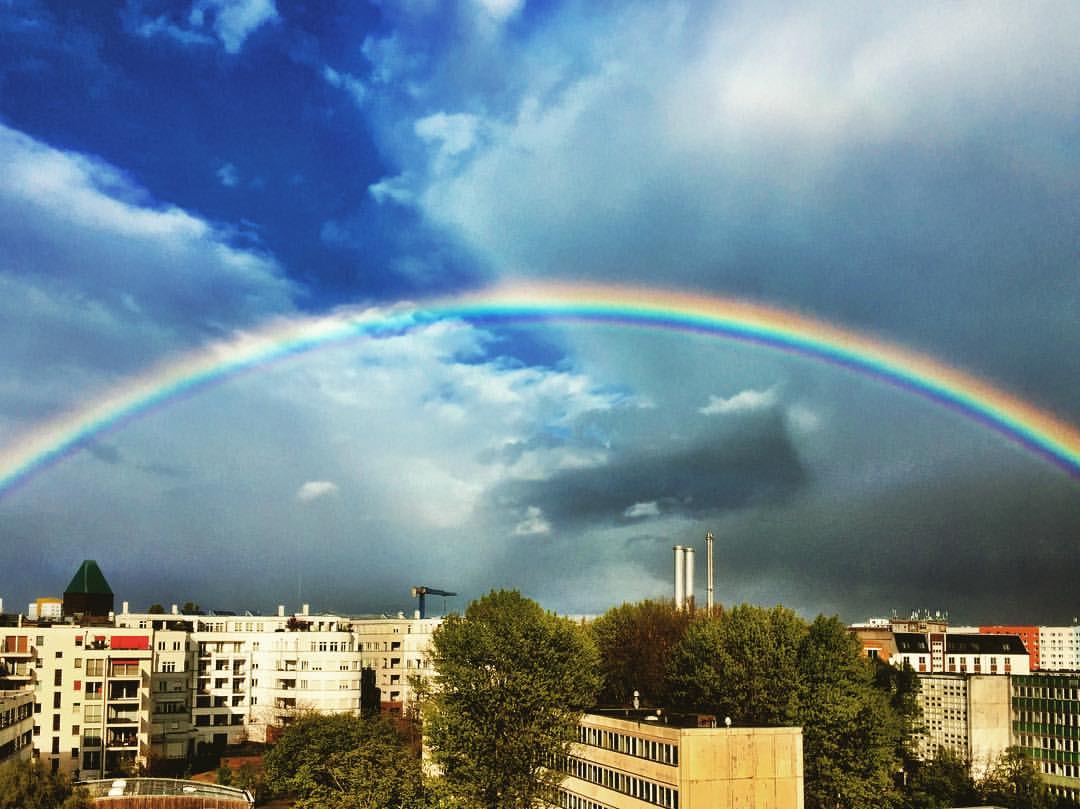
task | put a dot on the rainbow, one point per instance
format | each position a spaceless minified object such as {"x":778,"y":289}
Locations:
{"x":1012,"y":417}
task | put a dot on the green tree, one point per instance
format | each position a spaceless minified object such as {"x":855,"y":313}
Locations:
{"x":1013,"y":781}
{"x":635,"y":642}
{"x":851,"y":734}
{"x":742,"y":665}
{"x":940,"y":783}
{"x":156,"y":609}
{"x":338,"y":760}
{"x":30,"y":785}
{"x":511,"y":682}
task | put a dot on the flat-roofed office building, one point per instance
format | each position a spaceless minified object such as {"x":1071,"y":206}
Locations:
{"x":638,"y":760}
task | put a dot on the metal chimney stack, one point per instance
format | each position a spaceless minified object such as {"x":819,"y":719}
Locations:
{"x":689,"y":579}
{"x":680,"y":577}
{"x":709,"y":572}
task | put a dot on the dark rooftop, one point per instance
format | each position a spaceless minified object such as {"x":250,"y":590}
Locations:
{"x":89,"y":580}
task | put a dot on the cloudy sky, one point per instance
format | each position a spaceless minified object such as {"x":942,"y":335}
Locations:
{"x":177,"y":173}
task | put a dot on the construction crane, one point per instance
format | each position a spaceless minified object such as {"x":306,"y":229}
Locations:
{"x":421,"y":592}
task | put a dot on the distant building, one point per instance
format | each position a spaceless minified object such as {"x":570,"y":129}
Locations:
{"x":1028,"y":634}
{"x":88,"y":595}
{"x":398,"y":649}
{"x":968,"y":715}
{"x":940,"y":652}
{"x":635,"y":759}
{"x":45,"y":609}
{"x":1059,"y":648}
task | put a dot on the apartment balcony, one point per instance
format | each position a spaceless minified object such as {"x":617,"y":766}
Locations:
{"x":121,"y":740}
{"x":119,"y":692}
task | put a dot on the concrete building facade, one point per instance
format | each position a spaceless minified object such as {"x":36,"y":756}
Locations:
{"x":92,"y":698}
{"x":634,"y":760}
{"x":16,"y":725}
{"x":968,"y":715}
{"x":398,"y":649}
{"x":1059,"y":648}
{"x":1046,"y":725}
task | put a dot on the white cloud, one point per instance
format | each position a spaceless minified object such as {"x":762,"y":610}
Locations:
{"x":803,"y":419}
{"x":742,"y":402}
{"x":638,"y":510}
{"x":228,"y":175}
{"x":97,"y":276}
{"x":231,"y":21}
{"x":394,"y":189}
{"x":314,"y":489}
{"x":501,"y":9}
{"x":345,"y":81}
{"x":533,"y":524}
{"x":450,"y":134}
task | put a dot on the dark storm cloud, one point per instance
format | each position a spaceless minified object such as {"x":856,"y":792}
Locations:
{"x":986,"y":545}
{"x":749,"y":460}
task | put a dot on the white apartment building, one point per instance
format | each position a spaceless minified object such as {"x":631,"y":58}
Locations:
{"x":245,"y":675}
{"x":92,"y":697}
{"x":949,"y":653}
{"x":112,"y":698}
{"x":1059,"y":648}
{"x":398,"y":649}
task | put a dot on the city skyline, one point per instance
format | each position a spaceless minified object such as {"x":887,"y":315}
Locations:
{"x":178,"y":175}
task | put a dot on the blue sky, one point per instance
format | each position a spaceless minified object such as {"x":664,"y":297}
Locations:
{"x":179,"y":172}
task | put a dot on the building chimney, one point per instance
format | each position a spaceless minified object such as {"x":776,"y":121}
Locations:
{"x":689,"y":579}
{"x":680,"y":576}
{"x":175,"y":610}
{"x":281,"y":610}
{"x":124,"y":607}
{"x":305,"y":609}
{"x":709,"y":573}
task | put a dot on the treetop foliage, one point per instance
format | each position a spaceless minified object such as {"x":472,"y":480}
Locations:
{"x":511,"y":683}
{"x":635,"y":642}
{"x":31,"y":785}
{"x":338,"y":760}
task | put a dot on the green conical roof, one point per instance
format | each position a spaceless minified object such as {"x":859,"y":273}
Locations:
{"x":89,"y":579}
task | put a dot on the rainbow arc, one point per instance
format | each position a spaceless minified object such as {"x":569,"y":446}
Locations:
{"x":1011,"y":416}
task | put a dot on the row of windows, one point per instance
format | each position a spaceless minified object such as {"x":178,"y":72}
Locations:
{"x":16,"y":714}
{"x":630,"y":745}
{"x":640,"y":788}
{"x":571,"y":800}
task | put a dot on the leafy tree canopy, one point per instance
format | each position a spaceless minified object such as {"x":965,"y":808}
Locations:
{"x":940,"y":783}
{"x":329,"y":760}
{"x":1012,"y":781}
{"x":635,"y":642}
{"x":740,"y":665}
{"x":511,"y":682}
{"x":851,"y":733}
{"x":31,"y":785}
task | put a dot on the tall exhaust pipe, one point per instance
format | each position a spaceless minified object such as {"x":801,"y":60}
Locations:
{"x":680,"y":574}
{"x":708,"y":573}
{"x":690,"y":579}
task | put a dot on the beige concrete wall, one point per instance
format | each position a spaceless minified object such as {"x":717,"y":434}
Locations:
{"x":730,"y":768}
{"x":988,"y":717}
{"x":719,"y":768}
